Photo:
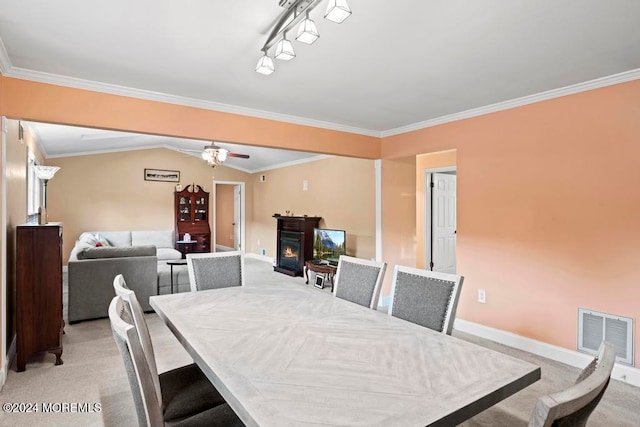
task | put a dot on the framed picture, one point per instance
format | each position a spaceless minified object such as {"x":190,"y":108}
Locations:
{"x":161,"y":175}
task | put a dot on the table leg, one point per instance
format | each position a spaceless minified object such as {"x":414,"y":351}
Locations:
{"x":171,"y":274}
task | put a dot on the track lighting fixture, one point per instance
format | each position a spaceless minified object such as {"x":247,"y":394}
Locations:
{"x":296,"y":10}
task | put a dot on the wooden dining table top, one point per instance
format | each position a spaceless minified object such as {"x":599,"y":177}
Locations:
{"x":290,"y":355}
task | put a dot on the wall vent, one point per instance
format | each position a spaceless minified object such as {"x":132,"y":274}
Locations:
{"x":594,"y":327}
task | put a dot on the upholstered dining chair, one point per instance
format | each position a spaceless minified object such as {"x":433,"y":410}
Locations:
{"x":426,"y":298}
{"x":181,"y":391}
{"x":359,"y":280}
{"x":573,"y":406}
{"x":215,"y":270}
{"x":148,"y":404}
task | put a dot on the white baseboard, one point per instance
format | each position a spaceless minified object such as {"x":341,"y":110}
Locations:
{"x":627,"y":374}
{"x":4,"y":369}
{"x":260,"y":257}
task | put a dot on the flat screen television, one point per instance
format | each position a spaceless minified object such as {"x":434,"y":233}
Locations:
{"x":328,"y":245}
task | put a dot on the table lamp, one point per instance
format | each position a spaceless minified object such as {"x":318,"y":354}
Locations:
{"x":45,"y":173}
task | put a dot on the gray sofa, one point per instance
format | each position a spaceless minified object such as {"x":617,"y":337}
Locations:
{"x":140,"y":256}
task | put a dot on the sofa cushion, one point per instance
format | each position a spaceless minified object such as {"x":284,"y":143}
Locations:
{"x":166,"y":254}
{"x":115,"y":238}
{"x":159,"y":238}
{"x":88,"y":238}
{"x":116,"y":252}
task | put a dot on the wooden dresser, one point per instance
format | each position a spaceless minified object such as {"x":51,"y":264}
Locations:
{"x":38,"y":291}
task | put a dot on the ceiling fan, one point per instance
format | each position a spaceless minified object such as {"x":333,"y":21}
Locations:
{"x":215,"y":155}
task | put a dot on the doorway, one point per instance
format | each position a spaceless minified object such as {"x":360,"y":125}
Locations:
{"x":228,"y":216}
{"x":440,"y":219}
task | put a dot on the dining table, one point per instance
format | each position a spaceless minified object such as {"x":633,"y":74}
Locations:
{"x":283,"y":354}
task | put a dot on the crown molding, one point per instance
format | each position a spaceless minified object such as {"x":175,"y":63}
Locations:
{"x":5,"y":62}
{"x":76,"y":83}
{"x":614,"y":79}
{"x":8,"y":70}
{"x":294,"y":163}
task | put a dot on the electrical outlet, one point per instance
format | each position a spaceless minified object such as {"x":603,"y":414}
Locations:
{"x":482,"y":296}
{"x":305,"y":185}
{"x":263,"y":251}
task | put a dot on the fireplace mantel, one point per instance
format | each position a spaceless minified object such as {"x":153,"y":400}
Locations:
{"x":295,"y":243}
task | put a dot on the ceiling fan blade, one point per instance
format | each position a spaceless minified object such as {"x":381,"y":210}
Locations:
{"x":241,"y":156}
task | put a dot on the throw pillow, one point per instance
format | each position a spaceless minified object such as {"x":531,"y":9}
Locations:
{"x":102,"y":242}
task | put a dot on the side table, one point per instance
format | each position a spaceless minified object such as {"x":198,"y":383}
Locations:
{"x":185,"y":247}
{"x":171,"y":263}
{"x":328,"y":270}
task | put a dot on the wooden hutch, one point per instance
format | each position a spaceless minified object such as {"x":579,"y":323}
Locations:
{"x":192,"y":217}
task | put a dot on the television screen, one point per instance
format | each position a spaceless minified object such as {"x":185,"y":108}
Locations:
{"x":328,"y":245}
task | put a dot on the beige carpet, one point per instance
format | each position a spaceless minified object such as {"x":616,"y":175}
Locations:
{"x":93,"y":373}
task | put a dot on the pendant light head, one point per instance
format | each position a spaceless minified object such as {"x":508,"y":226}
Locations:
{"x":284,"y":49}
{"x":265,"y":65}
{"x":214,"y":155}
{"x":307,"y":32}
{"x":337,"y":11}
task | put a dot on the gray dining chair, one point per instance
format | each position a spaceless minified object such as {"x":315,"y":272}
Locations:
{"x":359,"y":280}
{"x":215,"y":270}
{"x":148,"y":401}
{"x":573,"y":406}
{"x":426,"y":298}
{"x":182,"y":391}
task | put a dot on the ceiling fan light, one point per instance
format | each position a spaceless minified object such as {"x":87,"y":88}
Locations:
{"x":221,"y":155}
{"x":284,"y":50}
{"x":307,"y":31}
{"x":265,"y":65}
{"x":337,"y":11}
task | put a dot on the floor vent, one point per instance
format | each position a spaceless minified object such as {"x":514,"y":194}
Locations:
{"x":594,"y":327}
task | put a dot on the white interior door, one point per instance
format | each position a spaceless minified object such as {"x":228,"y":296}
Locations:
{"x":443,"y":222}
{"x":236,"y":218}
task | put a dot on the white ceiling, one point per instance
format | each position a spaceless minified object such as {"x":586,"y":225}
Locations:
{"x":390,"y":67}
{"x":64,"y":141}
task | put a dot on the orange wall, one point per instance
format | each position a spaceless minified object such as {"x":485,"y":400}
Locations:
{"x":57,"y":104}
{"x":340,"y":190}
{"x":398,"y":226}
{"x":224,"y":214}
{"x":16,"y":187}
{"x":548,"y":210}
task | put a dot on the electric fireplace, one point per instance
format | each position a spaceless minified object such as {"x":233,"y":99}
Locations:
{"x":295,"y":243}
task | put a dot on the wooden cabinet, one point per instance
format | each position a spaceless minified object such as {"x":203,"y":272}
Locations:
{"x":192,"y":217}
{"x":38,"y":291}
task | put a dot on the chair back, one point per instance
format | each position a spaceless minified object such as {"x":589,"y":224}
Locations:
{"x":135,"y":312}
{"x":148,"y":408}
{"x":359,"y":280}
{"x":573,"y":406}
{"x":426,"y":298}
{"x":215,"y":270}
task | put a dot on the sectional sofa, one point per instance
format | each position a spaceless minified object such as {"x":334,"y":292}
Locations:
{"x":140,"y":256}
